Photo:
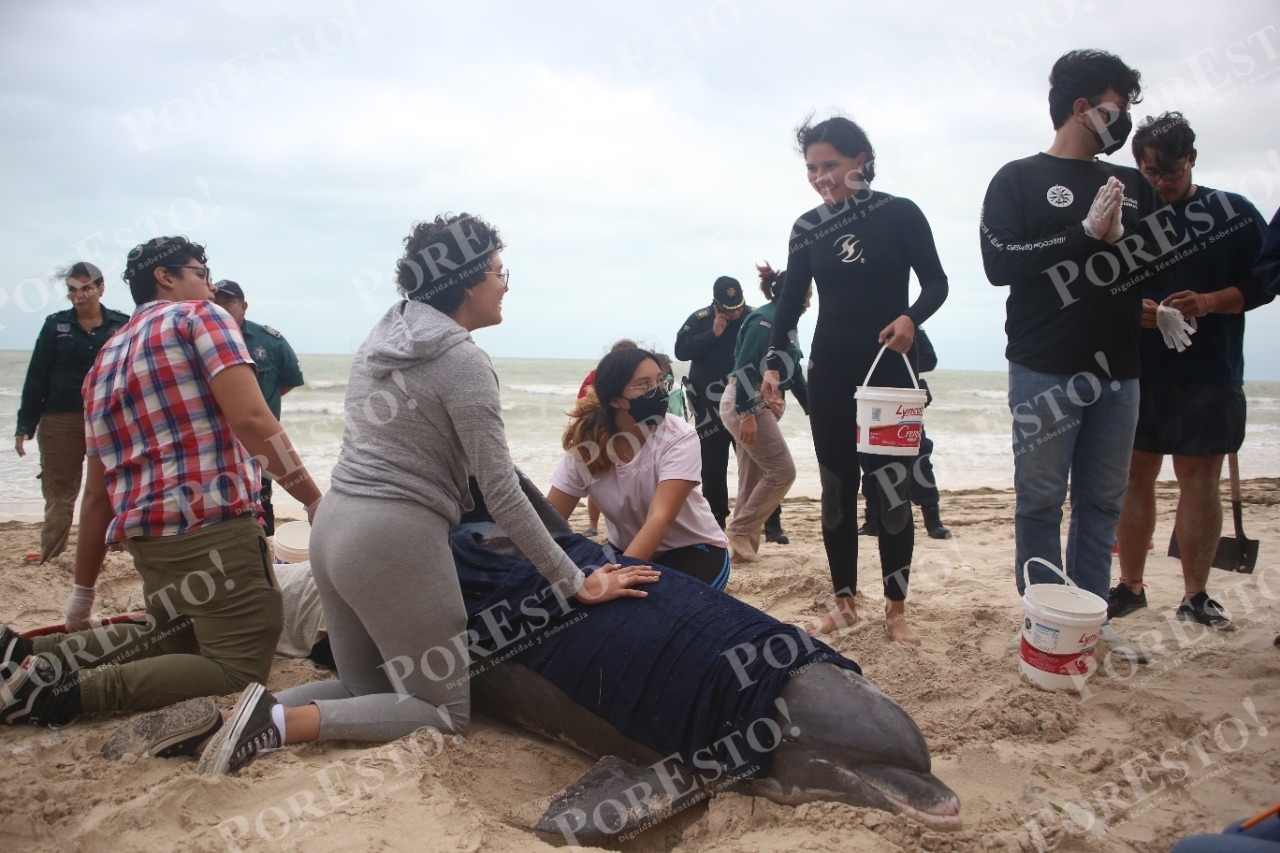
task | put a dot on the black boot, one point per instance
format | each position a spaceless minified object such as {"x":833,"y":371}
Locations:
{"x":773,"y":529}
{"x":871,"y":527}
{"x":933,"y":523}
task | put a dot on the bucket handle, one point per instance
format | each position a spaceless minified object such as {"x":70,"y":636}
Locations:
{"x":910,"y":372}
{"x":1026,"y":577}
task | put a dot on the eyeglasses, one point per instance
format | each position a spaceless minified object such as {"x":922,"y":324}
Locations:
{"x":646,"y":386}
{"x":1168,"y":176}
{"x":505,"y":275}
{"x":201,"y":272}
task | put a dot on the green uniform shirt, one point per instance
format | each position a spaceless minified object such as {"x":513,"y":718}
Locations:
{"x":277,"y":363}
{"x":63,"y":355}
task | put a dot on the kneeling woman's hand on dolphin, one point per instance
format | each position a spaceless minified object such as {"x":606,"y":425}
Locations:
{"x":612,"y":581}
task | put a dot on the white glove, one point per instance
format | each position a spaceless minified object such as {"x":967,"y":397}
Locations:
{"x":79,"y":606}
{"x":1173,"y":326}
{"x":1103,"y":221}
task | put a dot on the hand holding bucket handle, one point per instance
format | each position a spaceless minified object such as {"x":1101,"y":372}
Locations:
{"x":910,"y":372}
{"x":1026,"y":576}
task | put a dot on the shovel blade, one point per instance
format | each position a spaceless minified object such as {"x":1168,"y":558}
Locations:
{"x":1233,"y":555}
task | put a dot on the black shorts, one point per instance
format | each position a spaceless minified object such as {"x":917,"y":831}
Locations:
{"x":1190,"y":420}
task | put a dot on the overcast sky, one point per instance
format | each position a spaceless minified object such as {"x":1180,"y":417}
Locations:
{"x":629,"y":153}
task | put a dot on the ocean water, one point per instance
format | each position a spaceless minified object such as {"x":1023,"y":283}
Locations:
{"x":969,"y":423}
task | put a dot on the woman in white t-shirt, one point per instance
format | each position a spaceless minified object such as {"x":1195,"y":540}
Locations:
{"x":643,"y":468}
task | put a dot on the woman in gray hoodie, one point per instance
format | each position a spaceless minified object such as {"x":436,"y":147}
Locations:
{"x":422,"y":412}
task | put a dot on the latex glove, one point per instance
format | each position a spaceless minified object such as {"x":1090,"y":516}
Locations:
{"x":311,"y":509}
{"x":1177,"y":332}
{"x":1103,"y":222}
{"x":79,"y":607}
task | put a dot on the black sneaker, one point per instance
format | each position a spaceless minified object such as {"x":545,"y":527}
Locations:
{"x":1203,"y":609}
{"x":774,"y":534}
{"x":869,"y":528}
{"x":178,"y":730}
{"x":14,"y":649}
{"x":247,"y":732}
{"x":41,"y":694}
{"x":1121,"y":601}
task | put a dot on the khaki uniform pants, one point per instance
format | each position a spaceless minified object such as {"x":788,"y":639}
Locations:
{"x":214,"y":617}
{"x":60,"y":437}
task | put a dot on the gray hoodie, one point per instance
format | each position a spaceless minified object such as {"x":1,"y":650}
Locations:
{"x":422,"y":411}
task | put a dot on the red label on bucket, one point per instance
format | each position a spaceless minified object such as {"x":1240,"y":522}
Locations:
{"x":905,"y":434}
{"x":1073,"y":665}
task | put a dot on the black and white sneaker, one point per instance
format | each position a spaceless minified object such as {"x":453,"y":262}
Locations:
{"x":246,"y":733}
{"x":1203,"y":609}
{"x":39,"y":693}
{"x":178,"y":730}
{"x":14,"y":649}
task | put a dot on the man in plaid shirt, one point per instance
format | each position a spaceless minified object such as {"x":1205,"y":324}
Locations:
{"x":176,"y":428}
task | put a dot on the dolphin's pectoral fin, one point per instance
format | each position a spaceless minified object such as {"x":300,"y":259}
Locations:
{"x":614,"y":798}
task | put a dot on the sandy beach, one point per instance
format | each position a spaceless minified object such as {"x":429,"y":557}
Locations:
{"x":1145,"y":756}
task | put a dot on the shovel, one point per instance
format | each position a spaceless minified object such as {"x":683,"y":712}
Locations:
{"x":1235,"y":553}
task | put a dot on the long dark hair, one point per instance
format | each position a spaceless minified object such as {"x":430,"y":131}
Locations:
{"x":593,"y":422}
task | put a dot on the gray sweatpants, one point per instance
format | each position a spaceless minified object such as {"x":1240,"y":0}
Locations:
{"x":396,"y":621}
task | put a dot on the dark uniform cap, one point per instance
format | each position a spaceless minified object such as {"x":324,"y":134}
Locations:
{"x":728,"y":293}
{"x":229,"y":288}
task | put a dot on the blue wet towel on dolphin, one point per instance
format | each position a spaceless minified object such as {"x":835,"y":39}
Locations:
{"x":678,"y":671}
{"x":679,"y":694}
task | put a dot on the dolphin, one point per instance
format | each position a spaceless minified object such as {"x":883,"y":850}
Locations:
{"x":839,"y":739}
{"x":852,"y":744}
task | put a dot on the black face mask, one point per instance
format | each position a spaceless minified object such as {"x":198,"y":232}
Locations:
{"x":1117,"y":132}
{"x":650,"y":408}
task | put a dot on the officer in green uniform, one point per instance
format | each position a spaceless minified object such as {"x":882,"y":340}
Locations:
{"x":65,"y":349}
{"x":278,"y":370}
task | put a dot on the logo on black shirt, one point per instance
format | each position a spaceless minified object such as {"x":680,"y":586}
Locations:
{"x":850,"y":248}
{"x":1060,"y":196}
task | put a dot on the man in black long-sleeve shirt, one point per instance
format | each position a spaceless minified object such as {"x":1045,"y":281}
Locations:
{"x":1075,"y":241}
{"x":706,"y":341}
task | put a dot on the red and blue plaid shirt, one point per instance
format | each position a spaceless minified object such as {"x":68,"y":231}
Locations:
{"x":172,"y":462}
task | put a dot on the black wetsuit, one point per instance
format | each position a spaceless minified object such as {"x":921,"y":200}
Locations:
{"x":860,"y":254}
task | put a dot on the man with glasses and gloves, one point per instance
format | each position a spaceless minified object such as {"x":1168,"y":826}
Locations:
{"x":176,"y":429}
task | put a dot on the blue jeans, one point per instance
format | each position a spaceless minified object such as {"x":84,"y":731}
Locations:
{"x":1078,"y":428}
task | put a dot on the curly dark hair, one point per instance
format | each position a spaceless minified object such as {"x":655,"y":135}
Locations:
{"x":1087,"y":74}
{"x":1169,"y":135}
{"x":159,"y":252}
{"x":444,"y":257}
{"x":843,"y":134}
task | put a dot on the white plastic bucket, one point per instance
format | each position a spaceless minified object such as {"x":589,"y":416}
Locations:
{"x":1059,"y":631}
{"x":890,"y":420}
{"x":292,"y":542}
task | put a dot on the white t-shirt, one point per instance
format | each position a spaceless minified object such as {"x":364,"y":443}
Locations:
{"x":624,"y":492}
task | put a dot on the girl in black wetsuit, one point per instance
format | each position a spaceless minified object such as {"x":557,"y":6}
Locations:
{"x":860,"y":247}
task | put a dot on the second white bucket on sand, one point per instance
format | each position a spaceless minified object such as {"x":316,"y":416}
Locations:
{"x":293,"y":542}
{"x":890,"y":420}
{"x":1060,"y":628}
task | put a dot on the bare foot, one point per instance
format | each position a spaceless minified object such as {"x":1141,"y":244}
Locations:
{"x":842,"y":616}
{"x":895,"y":622}
{"x":740,"y":550}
